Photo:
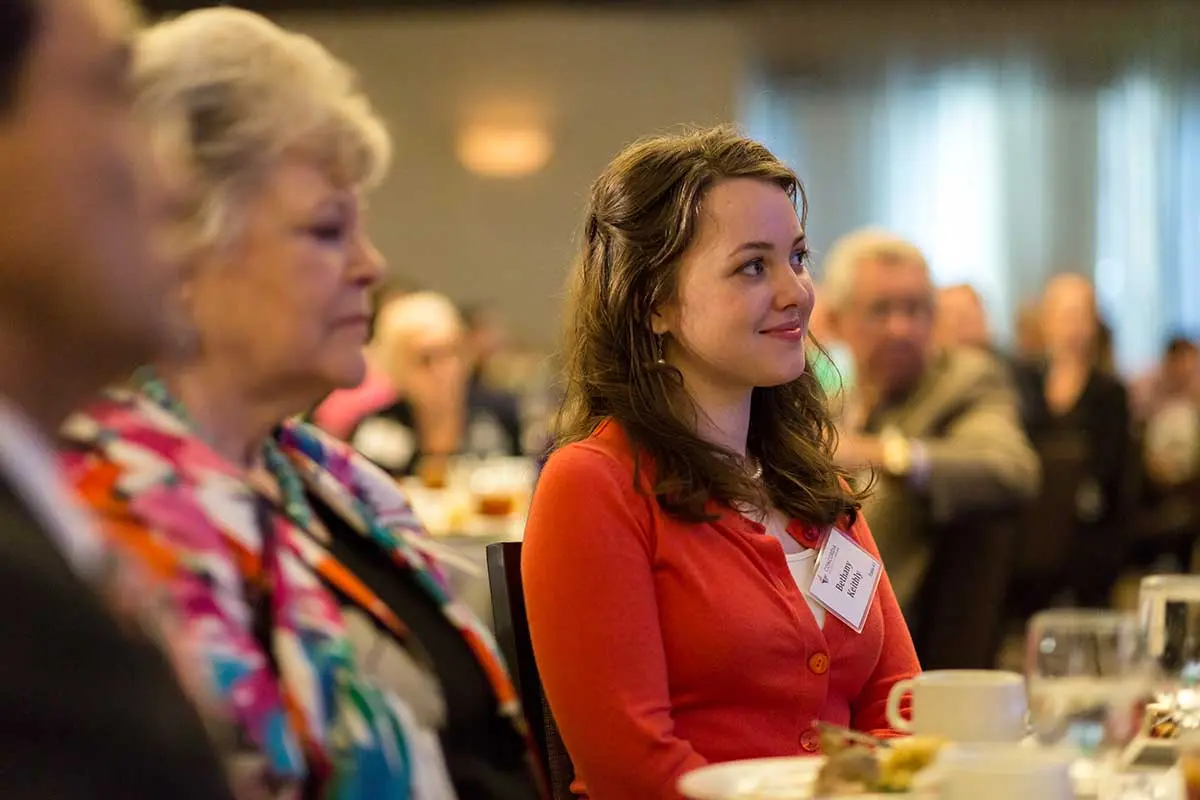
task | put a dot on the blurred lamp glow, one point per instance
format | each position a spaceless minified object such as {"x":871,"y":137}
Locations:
{"x":503,"y":151}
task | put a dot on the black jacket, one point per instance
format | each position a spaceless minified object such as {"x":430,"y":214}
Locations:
{"x":89,"y":709}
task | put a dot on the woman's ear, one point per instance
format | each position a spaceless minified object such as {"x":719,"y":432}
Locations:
{"x":663,"y":319}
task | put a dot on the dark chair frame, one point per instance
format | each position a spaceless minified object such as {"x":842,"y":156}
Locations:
{"x":512,"y":636}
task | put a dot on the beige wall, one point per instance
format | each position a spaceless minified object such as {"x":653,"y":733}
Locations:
{"x":602,"y":79}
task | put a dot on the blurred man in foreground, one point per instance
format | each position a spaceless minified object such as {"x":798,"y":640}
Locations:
{"x":89,"y":706}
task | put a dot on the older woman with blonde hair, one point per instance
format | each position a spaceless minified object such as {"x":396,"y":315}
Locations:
{"x":327,"y":638}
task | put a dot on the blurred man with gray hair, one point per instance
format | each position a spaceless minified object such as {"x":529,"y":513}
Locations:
{"x":940,"y":429}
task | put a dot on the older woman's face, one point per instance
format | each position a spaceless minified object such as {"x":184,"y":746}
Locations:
{"x":287,"y":305}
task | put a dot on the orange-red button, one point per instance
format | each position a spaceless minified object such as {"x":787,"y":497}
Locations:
{"x":818,"y":663}
{"x":810,"y":741}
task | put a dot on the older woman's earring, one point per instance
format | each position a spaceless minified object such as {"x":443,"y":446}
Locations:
{"x":658,"y":351}
{"x":184,"y":342}
{"x":184,"y":339}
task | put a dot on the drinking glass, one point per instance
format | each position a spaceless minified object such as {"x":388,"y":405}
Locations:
{"x":1089,"y":678}
{"x":501,"y":486}
{"x":1169,"y":610}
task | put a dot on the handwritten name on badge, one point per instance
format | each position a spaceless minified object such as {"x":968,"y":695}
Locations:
{"x":846,"y":579}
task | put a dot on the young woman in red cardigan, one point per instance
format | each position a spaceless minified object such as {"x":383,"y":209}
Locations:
{"x":679,"y":611}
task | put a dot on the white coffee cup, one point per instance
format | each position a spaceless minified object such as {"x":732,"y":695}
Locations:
{"x":1002,"y":772}
{"x":962,"y":705}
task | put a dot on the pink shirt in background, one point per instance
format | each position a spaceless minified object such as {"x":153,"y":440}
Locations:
{"x":341,"y":412}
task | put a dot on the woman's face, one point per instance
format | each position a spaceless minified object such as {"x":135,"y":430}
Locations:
{"x":1069,"y":323}
{"x":744,"y":295}
{"x":287,"y":304}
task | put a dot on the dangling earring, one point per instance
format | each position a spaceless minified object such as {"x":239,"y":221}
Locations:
{"x":184,"y":338}
{"x":658,"y":351}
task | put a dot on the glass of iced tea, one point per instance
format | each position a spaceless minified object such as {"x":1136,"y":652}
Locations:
{"x":495,"y":504}
{"x":433,"y":471}
{"x":499,"y":484}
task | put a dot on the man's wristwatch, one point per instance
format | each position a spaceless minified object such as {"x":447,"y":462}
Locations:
{"x":897,"y":453}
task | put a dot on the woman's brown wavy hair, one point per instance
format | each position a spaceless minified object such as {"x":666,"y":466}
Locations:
{"x":642,"y":216}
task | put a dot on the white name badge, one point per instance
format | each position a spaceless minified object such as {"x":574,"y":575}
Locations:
{"x":846,"y":579}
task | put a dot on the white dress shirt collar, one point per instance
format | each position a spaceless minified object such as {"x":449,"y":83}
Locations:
{"x":27,"y":460}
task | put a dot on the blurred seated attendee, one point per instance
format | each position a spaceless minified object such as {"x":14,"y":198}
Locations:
{"x":1176,"y":377}
{"x":942,"y":427}
{"x":486,"y":339}
{"x":340,"y":413}
{"x":343,"y":409}
{"x":940,"y":430}
{"x":440,"y":413}
{"x":303,"y":581}
{"x":1030,"y":346}
{"x":91,"y":707}
{"x":670,"y":559}
{"x":1071,"y":393}
{"x":1169,"y":402}
{"x":961,"y":318}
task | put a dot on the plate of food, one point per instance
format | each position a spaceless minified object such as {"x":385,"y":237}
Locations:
{"x":788,"y":778}
{"x":850,"y":769}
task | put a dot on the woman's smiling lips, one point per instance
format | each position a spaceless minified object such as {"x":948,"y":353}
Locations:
{"x":792,"y":331}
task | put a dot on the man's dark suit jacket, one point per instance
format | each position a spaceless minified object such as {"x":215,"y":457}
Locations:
{"x":88,"y":709}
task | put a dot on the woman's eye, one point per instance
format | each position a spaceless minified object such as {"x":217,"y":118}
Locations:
{"x":800,"y":260}
{"x":752,"y":268}
{"x":329,"y":234}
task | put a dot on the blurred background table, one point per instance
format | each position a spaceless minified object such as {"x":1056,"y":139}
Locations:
{"x":460,"y":531}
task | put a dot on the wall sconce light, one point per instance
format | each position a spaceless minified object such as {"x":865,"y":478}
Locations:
{"x":497,"y":150}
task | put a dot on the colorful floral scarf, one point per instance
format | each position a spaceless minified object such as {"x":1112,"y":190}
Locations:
{"x":191,"y":519}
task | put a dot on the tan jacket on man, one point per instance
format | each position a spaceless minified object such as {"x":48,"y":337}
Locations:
{"x":970,"y":455}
